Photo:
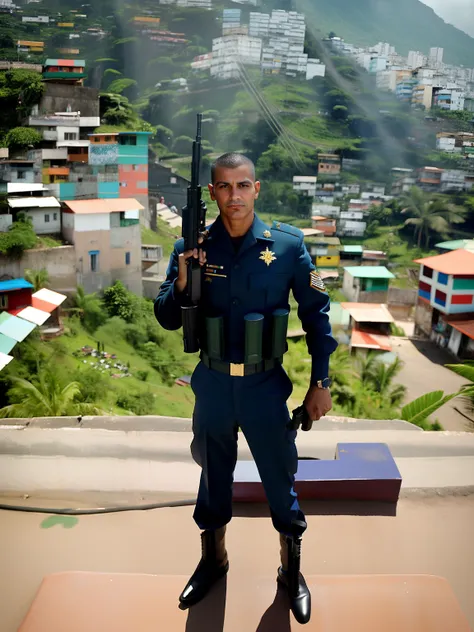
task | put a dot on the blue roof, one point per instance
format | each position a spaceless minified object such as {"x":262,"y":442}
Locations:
{"x":14,"y":284}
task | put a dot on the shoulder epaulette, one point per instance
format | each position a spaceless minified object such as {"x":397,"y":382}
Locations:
{"x":287,"y":228}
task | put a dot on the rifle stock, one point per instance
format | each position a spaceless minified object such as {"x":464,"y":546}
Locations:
{"x":194,"y":217}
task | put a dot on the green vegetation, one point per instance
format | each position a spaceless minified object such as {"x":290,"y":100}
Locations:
{"x":20,"y":236}
{"x":138,"y":380}
{"x":20,"y":138}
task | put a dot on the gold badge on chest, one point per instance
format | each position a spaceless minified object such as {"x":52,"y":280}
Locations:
{"x":267,"y":256}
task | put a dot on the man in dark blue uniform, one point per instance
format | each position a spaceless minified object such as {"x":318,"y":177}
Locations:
{"x":249,"y":270}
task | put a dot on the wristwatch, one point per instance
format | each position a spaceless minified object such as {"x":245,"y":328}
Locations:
{"x":326,"y":383}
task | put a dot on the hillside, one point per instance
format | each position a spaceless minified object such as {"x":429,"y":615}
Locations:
{"x":406,"y":24}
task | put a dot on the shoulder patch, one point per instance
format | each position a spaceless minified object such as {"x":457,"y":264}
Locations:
{"x":287,"y":228}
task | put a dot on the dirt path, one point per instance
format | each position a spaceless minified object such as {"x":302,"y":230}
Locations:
{"x":424,"y":372}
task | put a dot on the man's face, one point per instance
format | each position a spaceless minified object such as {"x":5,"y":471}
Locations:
{"x":235,"y":191}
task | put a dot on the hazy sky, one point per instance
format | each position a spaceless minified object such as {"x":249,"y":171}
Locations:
{"x":457,"y":12}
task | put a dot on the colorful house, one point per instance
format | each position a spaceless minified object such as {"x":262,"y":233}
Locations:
{"x":21,"y":311}
{"x":457,"y":244}
{"x":324,"y":251}
{"x":366,"y":284}
{"x":370,"y":325}
{"x":107,"y":242}
{"x":352,"y":253}
{"x":324,"y":224}
{"x":120,"y":161}
{"x":329,"y":165}
{"x":445,"y":307}
{"x":72,"y":71}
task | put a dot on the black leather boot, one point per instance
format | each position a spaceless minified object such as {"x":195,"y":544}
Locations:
{"x":214,"y":564}
{"x":290,"y":576}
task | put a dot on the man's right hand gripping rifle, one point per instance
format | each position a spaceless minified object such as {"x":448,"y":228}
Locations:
{"x":191,"y":261}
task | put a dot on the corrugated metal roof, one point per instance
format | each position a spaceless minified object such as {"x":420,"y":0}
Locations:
{"x":466,"y":327}
{"x":369,"y":272}
{"x":466,"y":244}
{"x":363,"y":340}
{"x":6,"y":343}
{"x":49,"y":296}
{"x":368,"y":312}
{"x":353,"y":249}
{"x":33,"y":202}
{"x":112,"y":205}
{"x":14,"y":284}
{"x":4,"y":360}
{"x":65,"y":62}
{"x":15,"y":327}
{"x":454,"y":262}
{"x":17,"y":187}
{"x":34,"y":315}
{"x":311,"y":232}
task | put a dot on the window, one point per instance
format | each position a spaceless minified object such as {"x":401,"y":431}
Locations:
{"x":70,"y":136}
{"x":21,"y":175}
{"x":128,"y":140}
{"x":127,"y":258}
{"x":3,"y":301}
{"x":173,"y":180}
{"x":427,"y":272}
{"x":46,"y":218}
{"x":55,"y":217}
{"x":94,"y":260}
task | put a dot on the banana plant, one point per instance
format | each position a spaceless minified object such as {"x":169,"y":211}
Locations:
{"x":418,"y":411}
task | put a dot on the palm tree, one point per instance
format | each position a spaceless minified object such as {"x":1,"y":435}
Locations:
{"x":45,"y":397}
{"x":89,"y":309}
{"x":382,"y":377}
{"x":430,"y":215}
{"x":37,"y":278}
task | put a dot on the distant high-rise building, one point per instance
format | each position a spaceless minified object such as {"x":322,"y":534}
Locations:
{"x":436,"y":56}
{"x":416,"y":59}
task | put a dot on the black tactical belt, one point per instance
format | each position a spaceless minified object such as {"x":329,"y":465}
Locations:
{"x":238,"y":370}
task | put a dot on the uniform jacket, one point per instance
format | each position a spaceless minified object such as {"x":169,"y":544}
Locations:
{"x":270,"y":263}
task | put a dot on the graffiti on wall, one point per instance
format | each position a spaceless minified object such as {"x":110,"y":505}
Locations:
{"x":103,"y":154}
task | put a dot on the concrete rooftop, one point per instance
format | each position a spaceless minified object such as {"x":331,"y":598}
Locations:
{"x":100,"y":462}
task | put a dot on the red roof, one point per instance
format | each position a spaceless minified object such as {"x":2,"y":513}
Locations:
{"x":466,"y":327}
{"x":370,"y":341}
{"x":454,"y":262}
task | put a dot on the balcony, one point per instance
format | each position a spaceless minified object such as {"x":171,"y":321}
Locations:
{"x":72,"y":76}
{"x":50,"y":135}
{"x":53,"y":120}
{"x":153,"y":254}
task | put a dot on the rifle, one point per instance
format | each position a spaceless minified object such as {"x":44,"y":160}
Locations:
{"x":194,"y":218}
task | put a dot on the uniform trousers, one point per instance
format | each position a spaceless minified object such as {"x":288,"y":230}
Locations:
{"x":257,"y":405}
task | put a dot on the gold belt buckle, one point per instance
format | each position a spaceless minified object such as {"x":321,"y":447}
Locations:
{"x":237,"y":370}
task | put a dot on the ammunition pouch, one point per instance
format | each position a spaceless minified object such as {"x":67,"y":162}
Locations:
{"x":263,"y":340}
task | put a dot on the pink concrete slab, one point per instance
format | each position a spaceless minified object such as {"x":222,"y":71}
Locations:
{"x":119,"y":602}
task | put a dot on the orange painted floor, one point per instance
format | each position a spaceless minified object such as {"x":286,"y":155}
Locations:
{"x":101,"y":602}
{"x":427,"y":536}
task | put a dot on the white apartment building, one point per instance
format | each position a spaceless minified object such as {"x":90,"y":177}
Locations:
{"x":449,"y":99}
{"x":305,"y":184}
{"x":384,"y":49}
{"x":229,"y":51}
{"x":40,"y":19}
{"x":436,"y":56}
{"x":230,"y":21}
{"x":351,"y":228}
{"x":325,"y":210}
{"x":200,"y":4}
{"x":258,"y":24}
{"x":416,"y":59}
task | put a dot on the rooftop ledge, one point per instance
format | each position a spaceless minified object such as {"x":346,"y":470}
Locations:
{"x":152,"y":453}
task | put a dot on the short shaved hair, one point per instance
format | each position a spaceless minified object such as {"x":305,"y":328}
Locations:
{"x":231,"y":161}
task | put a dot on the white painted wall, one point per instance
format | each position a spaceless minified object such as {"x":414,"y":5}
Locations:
{"x":62,"y":131}
{"x":94,"y":221}
{"x":40,"y":225}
